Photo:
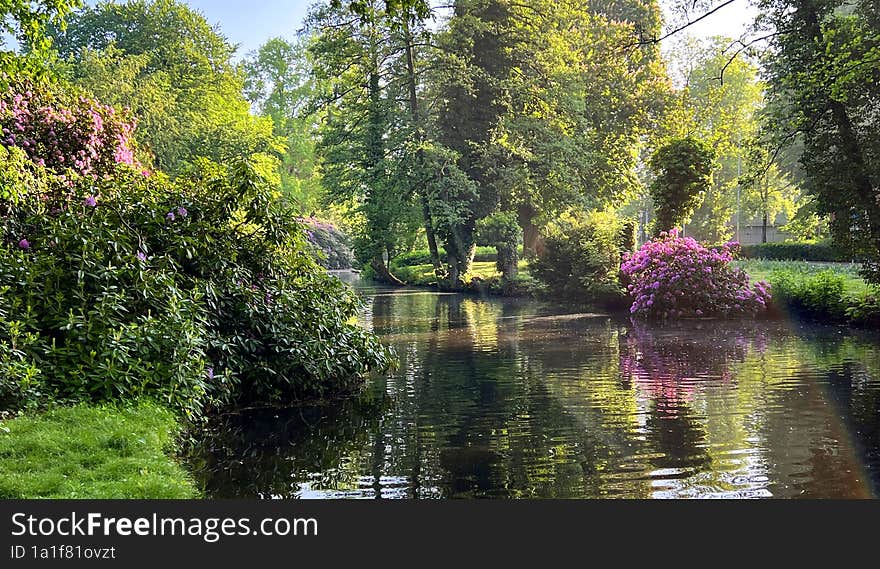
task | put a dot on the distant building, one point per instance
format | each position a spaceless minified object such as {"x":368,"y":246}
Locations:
{"x":750,"y":231}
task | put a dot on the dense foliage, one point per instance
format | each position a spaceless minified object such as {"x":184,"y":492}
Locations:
{"x":683,"y":169}
{"x":674,"y":277}
{"x":26,"y":22}
{"x":166,"y":64}
{"x":581,"y":256}
{"x":825,"y":296}
{"x":822,"y":68}
{"x":201,"y":292}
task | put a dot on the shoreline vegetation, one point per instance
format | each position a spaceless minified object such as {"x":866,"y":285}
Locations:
{"x":829,"y":291}
{"x":91,"y":451}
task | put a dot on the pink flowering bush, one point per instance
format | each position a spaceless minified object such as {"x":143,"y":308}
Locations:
{"x":67,"y":134}
{"x":673,"y":277}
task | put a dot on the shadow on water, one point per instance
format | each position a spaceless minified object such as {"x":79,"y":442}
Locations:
{"x":508,"y":398}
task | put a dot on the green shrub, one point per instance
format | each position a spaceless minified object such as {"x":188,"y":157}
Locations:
{"x":822,"y":251}
{"x":820,"y":295}
{"x":864,"y":309}
{"x":581,"y":256}
{"x":201,"y":292}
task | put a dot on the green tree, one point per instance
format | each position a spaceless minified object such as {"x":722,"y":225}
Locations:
{"x":722,"y":98}
{"x":165,"y":62}
{"x":579,"y":101}
{"x":365,"y":143}
{"x":683,"y":169}
{"x":502,"y":231}
{"x":279,"y":84}
{"x":822,"y":67}
{"x":26,"y":22}
{"x":545,"y":105}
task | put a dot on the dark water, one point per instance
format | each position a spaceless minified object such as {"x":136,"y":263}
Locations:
{"x":517,"y":399}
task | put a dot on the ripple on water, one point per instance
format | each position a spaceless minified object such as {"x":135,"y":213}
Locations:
{"x":509,"y":398}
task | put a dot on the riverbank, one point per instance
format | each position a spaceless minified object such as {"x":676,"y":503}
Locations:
{"x":93,"y":452}
{"x":822,"y":291}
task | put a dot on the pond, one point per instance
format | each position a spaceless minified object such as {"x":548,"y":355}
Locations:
{"x":513,"y":398}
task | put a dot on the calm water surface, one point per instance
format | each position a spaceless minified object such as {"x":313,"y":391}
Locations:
{"x":506,"y":398}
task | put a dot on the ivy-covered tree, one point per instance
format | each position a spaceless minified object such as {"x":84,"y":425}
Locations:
{"x":683,"y":168}
{"x":502,"y":231}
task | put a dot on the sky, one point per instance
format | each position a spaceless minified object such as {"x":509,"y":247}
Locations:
{"x":250,"y":23}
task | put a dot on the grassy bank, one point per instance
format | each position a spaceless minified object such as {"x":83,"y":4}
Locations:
{"x":823,"y":291}
{"x":826,"y":292}
{"x":760,"y":269}
{"x":92,"y":452}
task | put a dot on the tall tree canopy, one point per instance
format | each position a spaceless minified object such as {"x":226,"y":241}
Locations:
{"x":164,"y":61}
{"x":545,"y":105}
{"x":365,"y":139}
{"x":26,"y":22}
{"x":279,"y":85}
{"x":823,"y":67}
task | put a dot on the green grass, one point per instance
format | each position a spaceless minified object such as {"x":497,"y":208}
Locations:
{"x":760,"y":269}
{"x":424,"y":274}
{"x":92,"y":452}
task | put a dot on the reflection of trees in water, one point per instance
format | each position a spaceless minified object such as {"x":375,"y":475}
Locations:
{"x":754,"y":400}
{"x":269,"y":453}
{"x":507,"y":399}
{"x":670,"y":366}
{"x":473,"y":418}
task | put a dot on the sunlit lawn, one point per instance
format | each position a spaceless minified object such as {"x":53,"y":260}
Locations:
{"x":92,"y":452}
{"x":424,"y":274}
{"x":760,"y":269}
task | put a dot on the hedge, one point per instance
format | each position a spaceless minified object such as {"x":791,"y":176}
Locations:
{"x":822,"y":251}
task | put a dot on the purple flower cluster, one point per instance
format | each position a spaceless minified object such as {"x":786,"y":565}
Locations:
{"x":674,"y":277}
{"x":81,"y":135}
{"x":174,"y":214}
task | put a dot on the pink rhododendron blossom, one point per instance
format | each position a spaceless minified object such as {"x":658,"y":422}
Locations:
{"x":63,"y":134}
{"x":675,"y":276}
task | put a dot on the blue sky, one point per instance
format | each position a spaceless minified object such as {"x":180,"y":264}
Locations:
{"x":251,"y":23}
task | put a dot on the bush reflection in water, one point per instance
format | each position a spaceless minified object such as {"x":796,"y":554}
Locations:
{"x":515,"y":399}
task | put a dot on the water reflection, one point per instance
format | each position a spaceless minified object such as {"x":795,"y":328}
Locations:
{"x":516,"y":399}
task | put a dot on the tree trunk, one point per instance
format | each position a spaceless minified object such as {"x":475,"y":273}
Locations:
{"x":764,"y":227}
{"x":432,"y":238}
{"x":416,"y":117}
{"x":531,"y":233}
{"x":383,"y":274}
{"x":509,"y":261}
{"x":859,"y":173}
{"x":454,"y":274}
